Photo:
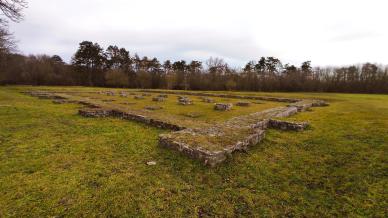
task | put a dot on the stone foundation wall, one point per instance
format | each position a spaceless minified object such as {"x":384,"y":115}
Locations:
{"x":94,"y":112}
{"x":285,"y":125}
{"x":264,"y":98}
{"x":101,"y":112}
{"x":211,"y":158}
{"x":222,"y":106}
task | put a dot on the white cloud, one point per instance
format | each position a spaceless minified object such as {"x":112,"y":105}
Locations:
{"x":328,"y":32}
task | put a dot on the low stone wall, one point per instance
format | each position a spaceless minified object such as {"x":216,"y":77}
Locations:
{"x":286,"y":125}
{"x":254,"y":126}
{"x":223,"y":106}
{"x":94,"y":112}
{"x":184,"y":101}
{"x":158,"y":99}
{"x":210,"y":158}
{"x":264,"y":98}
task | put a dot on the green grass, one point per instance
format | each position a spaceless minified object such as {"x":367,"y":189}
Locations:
{"x":56,"y":163}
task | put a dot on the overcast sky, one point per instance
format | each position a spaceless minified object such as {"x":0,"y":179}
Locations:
{"x":327,"y":32}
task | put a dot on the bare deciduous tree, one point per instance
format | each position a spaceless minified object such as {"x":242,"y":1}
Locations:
{"x":12,"y":9}
{"x":7,"y":42}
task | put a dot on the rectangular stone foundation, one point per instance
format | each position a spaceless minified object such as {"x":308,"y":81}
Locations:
{"x":210,"y":144}
{"x":211,"y":158}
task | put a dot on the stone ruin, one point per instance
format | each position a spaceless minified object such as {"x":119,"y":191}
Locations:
{"x":223,"y":106}
{"x":286,"y":125}
{"x":127,"y":115}
{"x":243,"y":104}
{"x":246,"y":97}
{"x":158,"y":99}
{"x":94,"y":112}
{"x":213,"y":143}
{"x":182,"y":100}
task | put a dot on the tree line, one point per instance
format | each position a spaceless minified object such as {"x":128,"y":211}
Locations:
{"x":92,"y":65}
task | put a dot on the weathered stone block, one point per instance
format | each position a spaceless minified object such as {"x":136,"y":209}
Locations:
{"x":223,"y":106}
{"x":94,"y":112}
{"x":287,"y":125}
{"x":158,"y":99}
{"x":185,"y":101}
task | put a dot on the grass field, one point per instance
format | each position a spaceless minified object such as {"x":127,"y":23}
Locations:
{"x":54,"y":162}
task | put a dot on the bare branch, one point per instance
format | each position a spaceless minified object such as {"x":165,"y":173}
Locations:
{"x":12,"y":9}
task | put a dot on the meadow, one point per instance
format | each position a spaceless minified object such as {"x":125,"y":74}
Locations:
{"x":54,"y":162}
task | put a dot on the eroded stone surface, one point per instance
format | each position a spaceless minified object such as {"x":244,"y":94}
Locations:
{"x":94,"y":112}
{"x":287,"y":125}
{"x":223,"y":106}
{"x":184,"y":100}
